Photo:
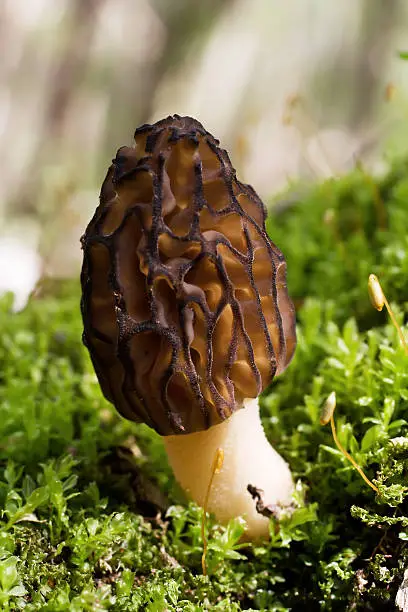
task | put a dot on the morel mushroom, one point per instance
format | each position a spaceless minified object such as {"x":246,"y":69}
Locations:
{"x":186,"y":312}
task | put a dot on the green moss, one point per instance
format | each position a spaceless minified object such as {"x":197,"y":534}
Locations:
{"x":78,"y":483}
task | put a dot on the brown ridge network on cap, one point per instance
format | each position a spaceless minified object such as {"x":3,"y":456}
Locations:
{"x":185,"y":305}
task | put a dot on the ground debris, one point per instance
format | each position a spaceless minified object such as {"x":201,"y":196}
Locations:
{"x":274,"y":510}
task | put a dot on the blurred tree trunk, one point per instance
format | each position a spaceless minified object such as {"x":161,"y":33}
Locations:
{"x":379,"y":18}
{"x":349,"y":84}
{"x":187,"y":22}
{"x":72,"y":63}
{"x":68,"y":71}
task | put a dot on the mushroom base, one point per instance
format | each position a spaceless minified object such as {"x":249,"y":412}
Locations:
{"x":248,"y":459}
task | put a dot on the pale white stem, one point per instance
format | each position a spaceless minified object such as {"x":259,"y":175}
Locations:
{"x":248,"y":459}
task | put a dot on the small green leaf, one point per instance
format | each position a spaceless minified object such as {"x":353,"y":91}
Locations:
{"x":8,"y":573}
{"x":371,"y":437}
{"x":17,"y":591}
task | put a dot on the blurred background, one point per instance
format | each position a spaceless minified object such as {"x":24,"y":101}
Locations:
{"x":296,"y":91}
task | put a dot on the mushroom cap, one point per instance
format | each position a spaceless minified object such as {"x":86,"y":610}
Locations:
{"x":184,"y":303}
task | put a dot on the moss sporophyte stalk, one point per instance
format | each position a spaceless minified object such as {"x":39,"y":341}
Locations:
{"x":215,"y":469}
{"x":379,"y":300}
{"x":327,"y":416}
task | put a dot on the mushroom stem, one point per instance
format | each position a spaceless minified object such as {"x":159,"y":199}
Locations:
{"x":248,"y":459}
